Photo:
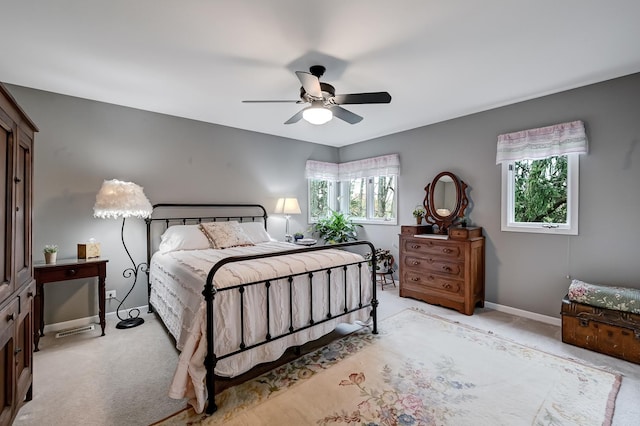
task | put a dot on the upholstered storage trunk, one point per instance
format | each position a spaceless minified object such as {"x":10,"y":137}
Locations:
{"x":607,"y":331}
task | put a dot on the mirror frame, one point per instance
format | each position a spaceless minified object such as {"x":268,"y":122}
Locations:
{"x":456,"y":215}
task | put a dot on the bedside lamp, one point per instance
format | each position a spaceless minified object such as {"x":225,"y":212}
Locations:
{"x":118,"y":199}
{"x":287,"y":206}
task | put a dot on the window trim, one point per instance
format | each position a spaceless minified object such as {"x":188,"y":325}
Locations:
{"x":507,"y":207}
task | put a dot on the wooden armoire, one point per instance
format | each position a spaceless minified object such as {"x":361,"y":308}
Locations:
{"x":17,"y":286}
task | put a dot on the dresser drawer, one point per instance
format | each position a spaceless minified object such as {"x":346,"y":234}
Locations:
{"x":416,"y":229}
{"x":87,"y":270}
{"x":425,"y":246}
{"x":416,"y":278}
{"x":434,"y":265}
{"x":26,"y":297}
{"x":9,"y":316}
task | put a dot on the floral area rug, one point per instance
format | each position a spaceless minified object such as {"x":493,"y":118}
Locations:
{"x":420,"y":370}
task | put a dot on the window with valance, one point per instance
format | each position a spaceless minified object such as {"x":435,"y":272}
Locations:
{"x":363,"y":189}
{"x":540,"y":182}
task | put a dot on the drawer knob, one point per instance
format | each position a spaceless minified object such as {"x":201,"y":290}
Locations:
{"x":17,"y":351}
{"x":447,"y":285}
{"x":30,"y":294}
{"x":446,"y":268}
{"x":10,"y":317}
{"x":71,"y":272}
{"x":447,"y":250}
{"x":415,"y":279}
{"x":415,"y":262}
{"x":415,"y":246}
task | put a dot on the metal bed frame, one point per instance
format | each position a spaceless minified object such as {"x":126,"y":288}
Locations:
{"x":209,"y":291}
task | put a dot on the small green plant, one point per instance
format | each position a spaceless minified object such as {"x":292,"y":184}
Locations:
{"x":384,"y":260}
{"x":336,"y":228}
{"x":419,"y":212}
{"x":50,"y":248}
{"x":298,"y":236}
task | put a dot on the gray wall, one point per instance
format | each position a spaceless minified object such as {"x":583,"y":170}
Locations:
{"x":83,"y":142}
{"x":528,"y":271}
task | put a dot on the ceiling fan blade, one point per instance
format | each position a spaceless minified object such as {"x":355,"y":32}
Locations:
{"x":345,"y":115}
{"x":297,"y":117}
{"x":363,"y":98}
{"x":310,"y":83}
{"x":273,"y":101}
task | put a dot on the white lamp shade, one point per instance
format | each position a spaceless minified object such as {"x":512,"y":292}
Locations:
{"x":288,"y":206}
{"x":117,"y":199}
{"x":317,"y":115}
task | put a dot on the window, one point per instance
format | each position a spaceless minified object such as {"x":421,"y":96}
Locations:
{"x":371,"y":199}
{"x":322,"y":198}
{"x":357,"y":199}
{"x":540,"y":178}
{"x":541,"y":195}
{"x":365,"y":189}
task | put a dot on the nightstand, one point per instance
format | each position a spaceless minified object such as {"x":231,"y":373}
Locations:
{"x":65,"y":270}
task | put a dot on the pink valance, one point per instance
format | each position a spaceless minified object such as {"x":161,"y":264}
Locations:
{"x":544,"y":142}
{"x":321,"y":170}
{"x":386,"y":165}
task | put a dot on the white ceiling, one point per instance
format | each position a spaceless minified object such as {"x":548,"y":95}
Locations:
{"x":200,"y":58}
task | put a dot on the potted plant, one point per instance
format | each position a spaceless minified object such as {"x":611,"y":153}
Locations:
{"x":298,"y":236}
{"x":50,"y":253}
{"x":384,"y":261}
{"x":336,"y":228}
{"x":419,"y":213}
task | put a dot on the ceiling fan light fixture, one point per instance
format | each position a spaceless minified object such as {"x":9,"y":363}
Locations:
{"x":317,"y":115}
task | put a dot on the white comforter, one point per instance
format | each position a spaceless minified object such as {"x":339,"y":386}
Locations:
{"x":177,"y":280}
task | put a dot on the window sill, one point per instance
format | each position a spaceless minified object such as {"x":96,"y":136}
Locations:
{"x":539,"y":229}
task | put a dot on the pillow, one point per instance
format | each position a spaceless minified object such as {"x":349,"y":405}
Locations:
{"x":223,"y":235}
{"x":183,"y":237}
{"x":256,"y":232}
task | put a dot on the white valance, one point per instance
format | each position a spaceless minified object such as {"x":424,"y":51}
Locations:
{"x":386,"y":165}
{"x":320,"y":170}
{"x":544,"y":142}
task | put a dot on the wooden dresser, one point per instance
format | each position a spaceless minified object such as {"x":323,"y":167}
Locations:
{"x":447,"y":272}
{"x":17,"y":286}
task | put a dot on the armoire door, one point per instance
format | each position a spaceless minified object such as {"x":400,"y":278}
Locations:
{"x":6,"y":141}
{"x":22,"y":187}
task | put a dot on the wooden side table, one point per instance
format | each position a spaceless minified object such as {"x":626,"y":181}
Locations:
{"x":65,"y":270}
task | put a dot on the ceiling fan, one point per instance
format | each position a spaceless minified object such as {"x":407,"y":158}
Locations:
{"x":324,"y":103}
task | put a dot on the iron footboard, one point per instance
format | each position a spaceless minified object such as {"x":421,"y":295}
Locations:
{"x":210,"y":292}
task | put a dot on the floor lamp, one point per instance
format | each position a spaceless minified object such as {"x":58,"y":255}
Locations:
{"x":117,"y":199}
{"x":288,"y":206}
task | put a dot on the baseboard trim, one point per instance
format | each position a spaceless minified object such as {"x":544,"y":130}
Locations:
{"x":81,"y":322}
{"x":522,"y":313}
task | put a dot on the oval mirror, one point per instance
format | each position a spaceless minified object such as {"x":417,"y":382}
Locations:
{"x":445,"y":201}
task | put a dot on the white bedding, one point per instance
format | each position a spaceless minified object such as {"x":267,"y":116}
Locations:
{"x":177,"y":280}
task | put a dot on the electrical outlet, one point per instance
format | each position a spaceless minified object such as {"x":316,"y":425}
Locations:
{"x":111,"y":294}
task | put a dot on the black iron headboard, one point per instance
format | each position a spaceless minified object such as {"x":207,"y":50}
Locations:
{"x":194,"y":213}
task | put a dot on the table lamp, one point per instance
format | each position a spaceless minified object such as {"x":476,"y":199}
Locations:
{"x":288,"y":206}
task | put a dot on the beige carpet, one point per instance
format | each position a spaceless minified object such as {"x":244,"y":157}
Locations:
{"x":420,"y":370}
{"x":123,"y":377}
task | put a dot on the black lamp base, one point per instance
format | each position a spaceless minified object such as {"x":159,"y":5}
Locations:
{"x":130,"y":322}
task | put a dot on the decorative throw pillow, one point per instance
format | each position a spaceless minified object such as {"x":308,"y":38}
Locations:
{"x":223,"y":235}
{"x":183,"y":237}
{"x":256,"y":232}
